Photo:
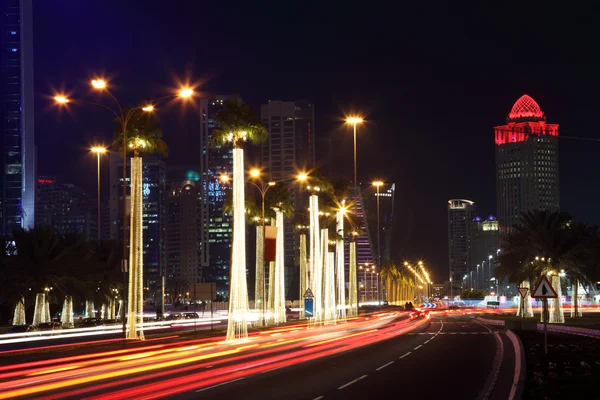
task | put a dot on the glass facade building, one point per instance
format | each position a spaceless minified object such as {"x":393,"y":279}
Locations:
{"x":18,"y":177}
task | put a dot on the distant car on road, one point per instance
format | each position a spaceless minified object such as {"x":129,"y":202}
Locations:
{"x":50,"y":326}
{"x":91,"y":322}
{"x":22,"y":329}
{"x":418,"y":314}
{"x":190,"y":315}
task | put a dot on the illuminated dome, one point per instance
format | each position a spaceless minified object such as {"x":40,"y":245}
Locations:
{"x":525,"y":107}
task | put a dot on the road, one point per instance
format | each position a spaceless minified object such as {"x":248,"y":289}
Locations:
{"x":382,"y":355}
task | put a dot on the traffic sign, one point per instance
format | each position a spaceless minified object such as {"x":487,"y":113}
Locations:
{"x":308,"y":307}
{"x":543,"y":289}
{"x":308,"y":293}
{"x":523,"y":291}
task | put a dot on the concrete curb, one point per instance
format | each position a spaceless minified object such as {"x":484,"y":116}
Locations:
{"x":518,"y":386}
{"x":570,"y":330}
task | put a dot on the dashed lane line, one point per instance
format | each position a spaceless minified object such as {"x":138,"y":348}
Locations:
{"x":318,"y":398}
{"x":401,"y":357}
{"x":384,"y":365}
{"x":219,"y":384}
{"x":417,"y":348}
{"x":352,"y":382}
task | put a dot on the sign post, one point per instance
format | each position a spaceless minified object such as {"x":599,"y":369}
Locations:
{"x":544,"y":290}
{"x":308,"y":303}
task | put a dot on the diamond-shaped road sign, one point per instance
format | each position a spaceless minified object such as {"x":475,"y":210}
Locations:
{"x":523,"y":291}
{"x":543,"y":289}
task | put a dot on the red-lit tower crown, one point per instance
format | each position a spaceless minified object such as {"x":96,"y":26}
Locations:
{"x":525,"y":118}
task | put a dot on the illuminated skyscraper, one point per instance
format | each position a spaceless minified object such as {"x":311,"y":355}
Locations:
{"x":460,"y":215}
{"x":18,"y":177}
{"x":526,"y":163}
{"x":217,"y":227}
{"x":386,"y":218}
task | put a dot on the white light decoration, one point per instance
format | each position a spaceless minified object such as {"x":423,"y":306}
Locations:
{"x":303,"y":274}
{"x":557,"y":315}
{"x":19,"y":315}
{"x":353,"y":287}
{"x":316,"y":261}
{"x":278,"y":281}
{"x":575,"y":306}
{"x":47,"y":311}
{"x":270,"y":287}
{"x":89,"y":309}
{"x":39,"y":314}
{"x":339,"y":266}
{"x":120,"y":312}
{"x":259,"y":286}
{"x":237,"y":328}
{"x":326,"y":283}
{"x":112,"y":306}
{"x":135,"y":305}
{"x":330,"y":311}
{"x":525,"y":309}
{"x":66,"y":317}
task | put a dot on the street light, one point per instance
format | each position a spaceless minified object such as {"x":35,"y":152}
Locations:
{"x":123,"y":118}
{"x":377,"y":185}
{"x":98,"y":150}
{"x":354,"y":120}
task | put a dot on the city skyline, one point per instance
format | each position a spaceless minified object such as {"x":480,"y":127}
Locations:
{"x":402,"y":141}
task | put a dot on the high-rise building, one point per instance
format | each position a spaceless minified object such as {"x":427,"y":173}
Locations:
{"x":289,"y":149}
{"x":66,"y":207}
{"x":17,"y":195}
{"x":216,"y":234}
{"x":183,"y":230}
{"x":526,"y":163}
{"x":485,"y":242}
{"x":386,"y":218}
{"x":460,"y":215}
{"x":154,"y":197}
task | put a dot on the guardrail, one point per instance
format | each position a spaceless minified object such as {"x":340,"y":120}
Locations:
{"x":555,"y":328}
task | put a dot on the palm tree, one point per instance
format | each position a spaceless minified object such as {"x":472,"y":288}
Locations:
{"x":237,"y":124}
{"x":143,"y":136}
{"x":545,"y":242}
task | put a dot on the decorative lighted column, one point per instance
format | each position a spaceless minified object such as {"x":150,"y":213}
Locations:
{"x":271,"y":276}
{"x":339,"y":265}
{"x":278,"y":279}
{"x":525,"y":307}
{"x":303,"y":273}
{"x":259,"y":285}
{"x":237,"y":328}
{"x":557,"y":315}
{"x":135,"y":305}
{"x":66,"y":318}
{"x":575,"y":306}
{"x":329,"y":272}
{"x":19,"y":315}
{"x":316,"y":261}
{"x":39,"y":314}
{"x":353,"y":284}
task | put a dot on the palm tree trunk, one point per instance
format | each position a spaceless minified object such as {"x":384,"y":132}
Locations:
{"x":237,"y":327}
{"x":303,"y":274}
{"x":66,"y":318}
{"x":278,"y":282}
{"x":316,"y":259}
{"x":353,"y":284}
{"x":339,"y":267}
{"x":259,"y":285}
{"x":557,"y":315}
{"x":19,"y":315}
{"x":575,"y":309}
{"x":135,"y":304}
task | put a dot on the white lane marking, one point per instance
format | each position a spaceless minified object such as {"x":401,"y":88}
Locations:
{"x":416,"y":348}
{"x":405,"y":355}
{"x":218,"y":384}
{"x":517,"y":375}
{"x":351,"y":382}
{"x":384,"y":365}
{"x":318,"y":398}
{"x":427,"y":341}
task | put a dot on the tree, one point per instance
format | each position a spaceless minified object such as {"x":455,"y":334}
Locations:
{"x":237,"y":123}
{"x":142,"y":136}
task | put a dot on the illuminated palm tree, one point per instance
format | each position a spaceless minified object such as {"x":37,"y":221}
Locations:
{"x":238,"y":124}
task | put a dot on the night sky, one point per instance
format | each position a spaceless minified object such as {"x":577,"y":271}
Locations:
{"x":432,"y":81}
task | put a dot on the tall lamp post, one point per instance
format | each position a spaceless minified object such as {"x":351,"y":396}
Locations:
{"x":123,"y":117}
{"x":377,"y":185}
{"x":99,"y":151}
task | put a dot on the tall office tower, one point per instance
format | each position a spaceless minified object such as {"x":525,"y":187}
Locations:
{"x":182,"y":244}
{"x":17,"y":196}
{"x":289,"y":149}
{"x":386,"y":218}
{"x":366,"y":244}
{"x":154,"y":197}
{"x":485,"y":242}
{"x":460,"y":215}
{"x":526,"y":163}
{"x":66,"y":207}
{"x":216,"y":231}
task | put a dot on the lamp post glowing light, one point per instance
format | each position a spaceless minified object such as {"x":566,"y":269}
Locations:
{"x":99,"y":151}
{"x":186,"y":92}
{"x":354,"y":121}
{"x":99,"y":83}
{"x":61,"y":99}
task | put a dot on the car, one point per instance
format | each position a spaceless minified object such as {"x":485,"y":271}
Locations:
{"x":22,"y":329}
{"x":50,"y":326}
{"x":190,"y":315}
{"x":91,"y":322}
